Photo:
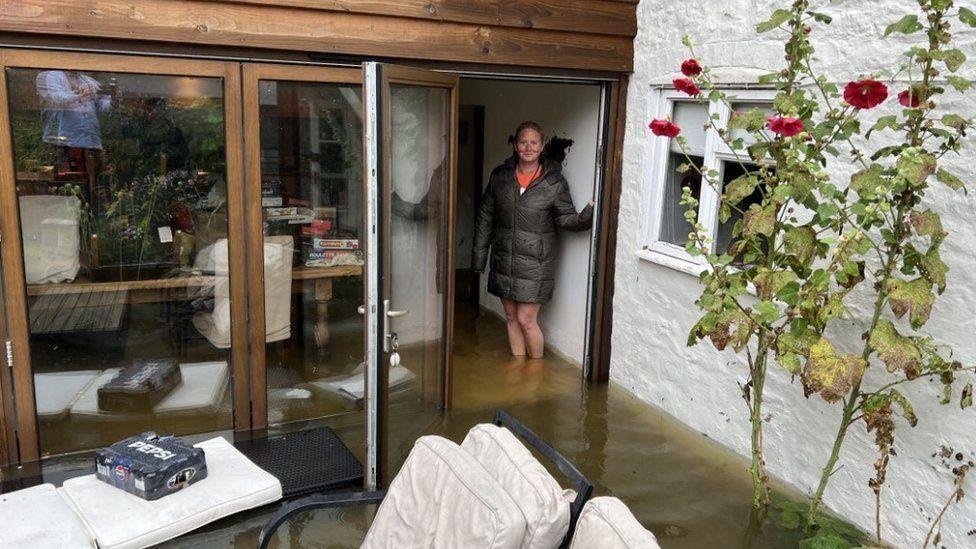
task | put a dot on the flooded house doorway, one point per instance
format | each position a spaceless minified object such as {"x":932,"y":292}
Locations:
{"x":491,"y":109}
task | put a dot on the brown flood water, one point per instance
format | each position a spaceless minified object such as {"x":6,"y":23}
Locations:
{"x":690,"y":491}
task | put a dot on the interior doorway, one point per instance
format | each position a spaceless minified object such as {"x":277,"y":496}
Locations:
{"x":490,"y":111}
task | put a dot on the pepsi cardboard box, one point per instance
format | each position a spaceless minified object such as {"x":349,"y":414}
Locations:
{"x":150,"y":466}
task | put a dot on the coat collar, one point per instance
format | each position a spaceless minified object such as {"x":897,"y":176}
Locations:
{"x":548,"y":166}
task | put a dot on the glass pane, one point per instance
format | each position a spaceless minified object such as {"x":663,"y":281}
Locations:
{"x":743,"y":108}
{"x":731,"y":171}
{"x":692,"y":118}
{"x":311,"y":188}
{"x":420,"y":175}
{"x":123,"y":208}
{"x":674,"y":227}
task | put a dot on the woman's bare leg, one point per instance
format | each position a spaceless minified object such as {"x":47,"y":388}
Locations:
{"x":527,"y":320}
{"x":515,"y":339}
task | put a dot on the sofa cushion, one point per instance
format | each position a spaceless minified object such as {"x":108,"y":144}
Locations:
{"x":39,"y":518}
{"x":442,"y":498}
{"x":607,"y":523}
{"x":543,"y":503}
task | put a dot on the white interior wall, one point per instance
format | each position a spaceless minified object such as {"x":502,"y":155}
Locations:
{"x":566,"y":110}
{"x":654,"y":304}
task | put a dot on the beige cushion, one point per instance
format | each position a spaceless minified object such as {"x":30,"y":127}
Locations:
{"x":608,"y":523}
{"x":543,"y":503}
{"x":442,"y":498}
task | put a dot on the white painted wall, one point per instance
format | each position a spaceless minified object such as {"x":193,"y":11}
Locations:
{"x":566,"y":110}
{"x":653,"y":304}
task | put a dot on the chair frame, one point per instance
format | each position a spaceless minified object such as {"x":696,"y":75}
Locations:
{"x":584,"y":488}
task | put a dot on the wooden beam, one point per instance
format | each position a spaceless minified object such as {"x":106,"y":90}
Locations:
{"x":8,"y":439}
{"x":585,"y":16}
{"x":210,"y":22}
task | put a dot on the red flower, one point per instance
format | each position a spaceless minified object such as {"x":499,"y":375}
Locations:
{"x":865,"y":94}
{"x":690,"y":67}
{"x":910,"y":98}
{"x":664,"y":128}
{"x":785,"y":126}
{"x":687,"y":86}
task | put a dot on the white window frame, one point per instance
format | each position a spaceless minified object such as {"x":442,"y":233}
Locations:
{"x":652,"y":248}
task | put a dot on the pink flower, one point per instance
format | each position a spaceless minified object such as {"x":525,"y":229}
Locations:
{"x":785,"y":126}
{"x":686,"y":85}
{"x":690,"y":67}
{"x":865,"y":94}
{"x":910,"y":98}
{"x":664,"y":128}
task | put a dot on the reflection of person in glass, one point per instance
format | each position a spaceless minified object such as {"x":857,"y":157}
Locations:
{"x":527,"y":198}
{"x":71,"y":102}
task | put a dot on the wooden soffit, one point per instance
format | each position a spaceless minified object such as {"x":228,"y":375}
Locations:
{"x":573,"y":34}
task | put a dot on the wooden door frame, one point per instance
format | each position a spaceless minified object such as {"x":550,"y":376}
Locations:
{"x":8,"y":440}
{"x":10,"y":246}
{"x":253,"y":73}
{"x":388,"y":75}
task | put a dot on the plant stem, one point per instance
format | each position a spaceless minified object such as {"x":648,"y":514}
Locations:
{"x":760,"y":481}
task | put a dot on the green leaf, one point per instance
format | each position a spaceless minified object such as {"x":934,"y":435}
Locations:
{"x":916,"y":167}
{"x":961,"y":84}
{"x":740,"y":188}
{"x":752,"y":120}
{"x":953,"y":59}
{"x":822,"y":17}
{"x":758,"y":221}
{"x":898,"y":352}
{"x":905,"y":25}
{"x":934,"y":268}
{"x":967,"y":16}
{"x":907,"y":411}
{"x":913,"y":297}
{"x":928,"y":223}
{"x":868,"y":182}
{"x":954,"y":121}
{"x":768,"y":78}
{"x":768,"y":282}
{"x":757,"y":151}
{"x":830,"y":375}
{"x":729,"y":327}
{"x":768,"y":311}
{"x":967,"y":396}
{"x":778,"y":18}
{"x":884,"y":122}
{"x":801,"y":242}
{"x":949,"y":180}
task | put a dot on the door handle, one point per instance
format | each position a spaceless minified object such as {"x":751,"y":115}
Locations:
{"x":361,"y":309}
{"x":395,"y":314}
{"x":387,"y":332}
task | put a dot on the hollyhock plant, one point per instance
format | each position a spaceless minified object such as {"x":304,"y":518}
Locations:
{"x":910,"y":98}
{"x":664,"y":128}
{"x":785,"y":126}
{"x":687,"y":86}
{"x":690,"y":67}
{"x":865,"y":94}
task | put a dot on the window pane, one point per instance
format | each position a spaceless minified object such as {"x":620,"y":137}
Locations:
{"x":692,"y":119}
{"x":123,"y":208}
{"x":730,"y":171}
{"x":674,"y":227}
{"x":743,"y":108}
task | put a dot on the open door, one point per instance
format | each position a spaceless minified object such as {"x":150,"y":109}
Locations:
{"x":411,"y":159}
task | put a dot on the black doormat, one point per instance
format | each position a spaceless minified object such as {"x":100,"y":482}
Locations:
{"x":305,"y":461}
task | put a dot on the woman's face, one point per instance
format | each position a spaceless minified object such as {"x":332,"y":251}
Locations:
{"x":529,"y":145}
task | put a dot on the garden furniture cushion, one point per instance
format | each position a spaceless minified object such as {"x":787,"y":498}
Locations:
{"x":39,"y":518}
{"x":543,"y":503}
{"x":607,"y":523}
{"x":56,"y":392}
{"x":443,"y":498}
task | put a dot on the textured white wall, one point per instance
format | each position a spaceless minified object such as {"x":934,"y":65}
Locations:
{"x":654,"y":305}
{"x":566,"y":110}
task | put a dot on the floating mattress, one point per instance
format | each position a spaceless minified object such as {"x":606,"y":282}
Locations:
{"x":56,"y":392}
{"x":119,"y":520}
{"x":40,"y":518}
{"x":353,"y":387}
{"x":202,"y":392}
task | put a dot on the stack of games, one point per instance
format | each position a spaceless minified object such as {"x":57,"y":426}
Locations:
{"x":139,"y":386}
{"x":150,"y":466}
{"x":330,"y":252}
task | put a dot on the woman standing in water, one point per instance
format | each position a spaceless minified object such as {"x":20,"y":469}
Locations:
{"x":526,"y":199}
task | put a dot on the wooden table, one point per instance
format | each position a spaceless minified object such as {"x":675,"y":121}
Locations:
{"x":59,"y":305}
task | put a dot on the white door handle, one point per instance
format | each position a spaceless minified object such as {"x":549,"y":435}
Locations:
{"x":362,"y":309}
{"x":394,"y":314}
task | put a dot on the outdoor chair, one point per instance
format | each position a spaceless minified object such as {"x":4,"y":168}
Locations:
{"x":606,"y":522}
{"x":488,"y":492}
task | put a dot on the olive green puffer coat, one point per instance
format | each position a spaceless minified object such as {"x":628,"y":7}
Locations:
{"x":521,"y":230}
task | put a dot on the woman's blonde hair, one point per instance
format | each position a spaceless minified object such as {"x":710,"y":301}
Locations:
{"x":529,"y":125}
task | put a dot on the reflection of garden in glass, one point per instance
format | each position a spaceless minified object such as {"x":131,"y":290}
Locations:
{"x":161,"y":164}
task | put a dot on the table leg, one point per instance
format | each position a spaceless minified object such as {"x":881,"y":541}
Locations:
{"x":323,"y":293}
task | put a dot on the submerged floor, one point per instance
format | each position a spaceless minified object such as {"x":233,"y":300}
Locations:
{"x":690,"y":491}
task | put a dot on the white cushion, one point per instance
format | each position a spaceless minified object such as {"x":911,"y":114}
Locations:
{"x":201,"y":392}
{"x":607,"y":523}
{"x":49,"y":228}
{"x":442,"y":498}
{"x":543,"y":503}
{"x":120,"y":520}
{"x":56,"y":392}
{"x":39,"y":518}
